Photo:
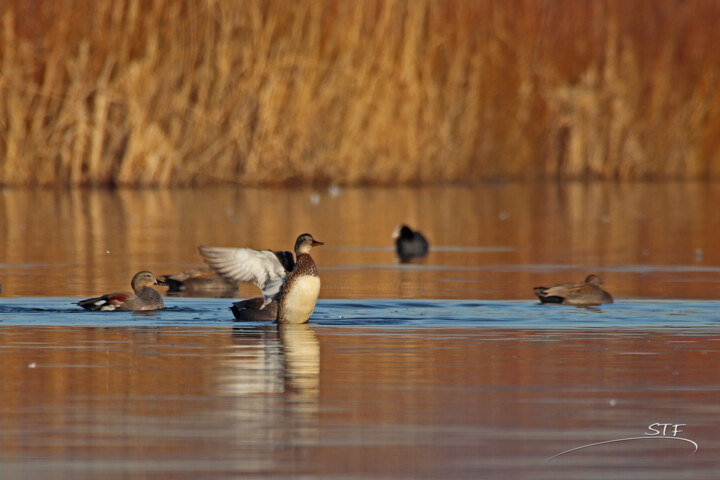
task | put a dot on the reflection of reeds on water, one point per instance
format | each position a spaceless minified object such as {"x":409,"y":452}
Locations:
{"x":135,"y":92}
{"x":493,"y":242}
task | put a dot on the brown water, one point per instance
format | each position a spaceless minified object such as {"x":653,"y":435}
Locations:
{"x":442,"y":369}
{"x":488,"y":241}
{"x":324,"y":402}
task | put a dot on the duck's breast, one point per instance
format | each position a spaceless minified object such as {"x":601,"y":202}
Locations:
{"x":299,"y":300}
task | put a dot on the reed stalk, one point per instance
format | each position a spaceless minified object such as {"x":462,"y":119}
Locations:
{"x":278,"y":92}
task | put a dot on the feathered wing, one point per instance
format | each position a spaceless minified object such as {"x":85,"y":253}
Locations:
{"x":565,"y":290}
{"x":574,"y":294}
{"x":286,"y":259}
{"x":574,"y":289}
{"x":260,"y":267}
{"x":111,"y":301}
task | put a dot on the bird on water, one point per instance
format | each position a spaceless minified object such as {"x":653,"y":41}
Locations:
{"x":290,"y":288}
{"x":409,"y":244}
{"x":589,"y":292}
{"x":199,"y":282}
{"x":144,"y":297}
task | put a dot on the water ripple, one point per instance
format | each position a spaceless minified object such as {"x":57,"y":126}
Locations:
{"x":630,"y":314}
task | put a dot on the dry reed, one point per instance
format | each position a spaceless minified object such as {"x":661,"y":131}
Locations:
{"x":167,"y":92}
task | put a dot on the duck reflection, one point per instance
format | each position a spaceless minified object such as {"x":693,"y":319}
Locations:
{"x":274,"y":360}
{"x":301,"y":355}
{"x":272,"y":381}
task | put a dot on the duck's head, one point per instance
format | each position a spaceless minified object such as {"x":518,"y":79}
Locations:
{"x":593,"y":279}
{"x":304,"y":243}
{"x":145,"y":279}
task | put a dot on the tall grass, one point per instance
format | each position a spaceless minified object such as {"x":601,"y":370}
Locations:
{"x":190,"y":92}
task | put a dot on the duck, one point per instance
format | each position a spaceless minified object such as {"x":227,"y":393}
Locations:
{"x":290,"y":288}
{"x":199,"y":281}
{"x":588,"y":292}
{"x":144,"y":297}
{"x":409,"y":244}
{"x":253,"y":310}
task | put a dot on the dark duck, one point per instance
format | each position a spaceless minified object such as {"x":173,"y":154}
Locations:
{"x":409,"y":245}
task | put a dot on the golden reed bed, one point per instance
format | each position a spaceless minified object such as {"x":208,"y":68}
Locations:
{"x":193,"y":92}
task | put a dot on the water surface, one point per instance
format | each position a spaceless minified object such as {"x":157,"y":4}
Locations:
{"x":368,"y":389}
{"x":490,"y":241}
{"x":446,"y":368}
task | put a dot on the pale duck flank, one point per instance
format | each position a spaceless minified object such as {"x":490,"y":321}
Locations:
{"x":299,"y":301}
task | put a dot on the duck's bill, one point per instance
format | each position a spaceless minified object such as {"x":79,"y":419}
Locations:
{"x":315,"y":243}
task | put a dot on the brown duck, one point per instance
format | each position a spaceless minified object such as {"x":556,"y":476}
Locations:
{"x":144,"y":298}
{"x":290,"y":288}
{"x":199,"y":282}
{"x":589,"y":292}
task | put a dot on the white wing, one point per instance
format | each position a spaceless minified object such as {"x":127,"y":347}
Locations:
{"x":260,"y":267}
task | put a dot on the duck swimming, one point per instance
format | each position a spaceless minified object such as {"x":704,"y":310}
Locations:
{"x":199,"y":282}
{"x":144,"y":298}
{"x":290,"y":288}
{"x":589,"y":292}
{"x":409,"y":244}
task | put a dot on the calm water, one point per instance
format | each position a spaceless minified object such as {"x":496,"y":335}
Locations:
{"x":442,"y":369}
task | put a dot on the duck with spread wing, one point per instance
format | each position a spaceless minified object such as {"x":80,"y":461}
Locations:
{"x":290,"y":288}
